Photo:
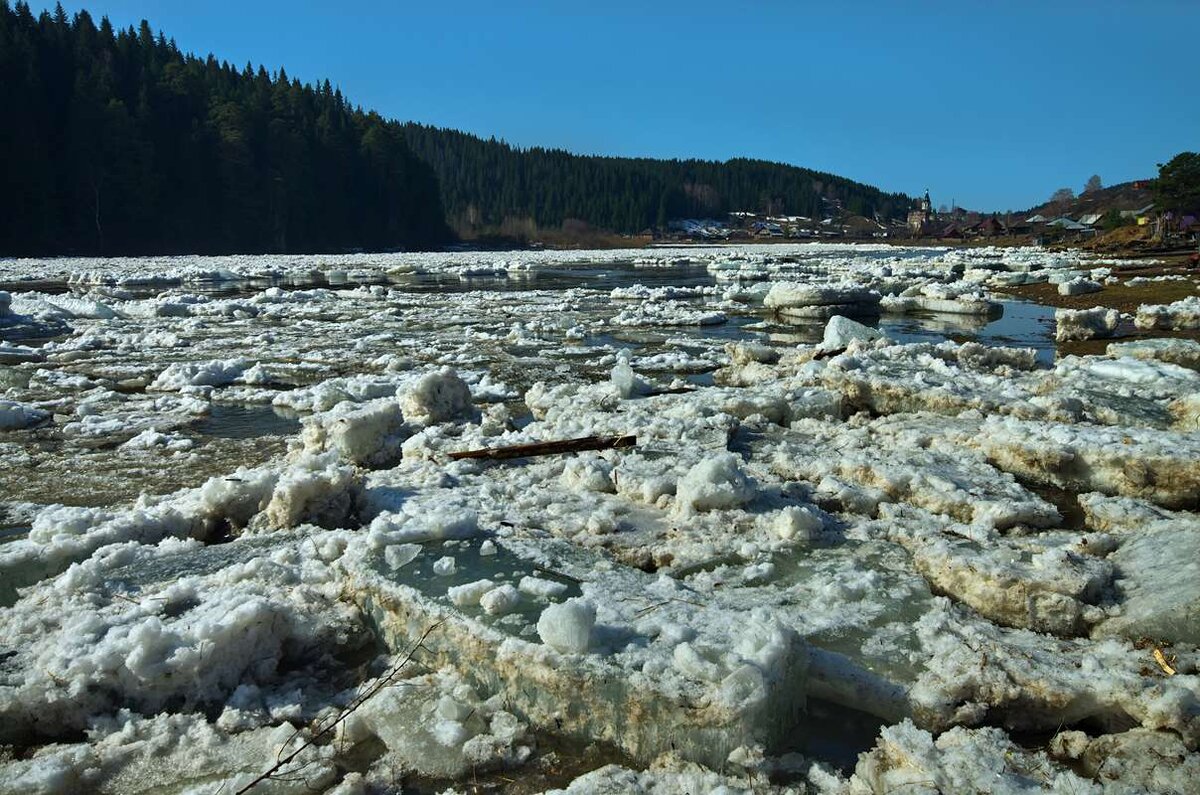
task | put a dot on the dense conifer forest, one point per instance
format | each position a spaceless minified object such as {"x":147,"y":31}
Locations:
{"x":488,"y":182}
{"x":115,"y":142}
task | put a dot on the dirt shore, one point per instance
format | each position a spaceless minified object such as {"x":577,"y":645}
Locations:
{"x":1124,"y":297}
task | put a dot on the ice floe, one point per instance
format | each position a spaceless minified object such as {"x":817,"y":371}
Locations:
{"x":237,"y":526}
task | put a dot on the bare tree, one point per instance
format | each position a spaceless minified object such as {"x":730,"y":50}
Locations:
{"x":1062,"y":196}
{"x":1093,"y":184}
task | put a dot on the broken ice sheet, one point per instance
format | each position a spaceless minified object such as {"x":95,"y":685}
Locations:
{"x":865,"y":531}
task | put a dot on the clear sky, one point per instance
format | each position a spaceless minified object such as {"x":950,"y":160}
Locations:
{"x":994,"y":105}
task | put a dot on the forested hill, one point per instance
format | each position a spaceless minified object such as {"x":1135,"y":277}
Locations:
{"x":115,"y":142}
{"x":487,"y":183}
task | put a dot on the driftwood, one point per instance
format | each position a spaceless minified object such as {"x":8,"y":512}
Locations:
{"x":549,"y":448}
{"x":826,"y":353}
{"x":670,"y":390}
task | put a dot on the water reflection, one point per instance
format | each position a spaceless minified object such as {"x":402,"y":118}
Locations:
{"x":1022,"y":324}
{"x":246,"y":422}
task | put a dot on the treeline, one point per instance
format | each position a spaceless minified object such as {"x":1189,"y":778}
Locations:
{"x":115,"y":142}
{"x":488,"y":183}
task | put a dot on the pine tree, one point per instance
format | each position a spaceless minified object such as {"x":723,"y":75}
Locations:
{"x":125,"y":145}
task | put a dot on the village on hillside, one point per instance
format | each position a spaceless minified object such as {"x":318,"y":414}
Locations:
{"x":1078,"y":220}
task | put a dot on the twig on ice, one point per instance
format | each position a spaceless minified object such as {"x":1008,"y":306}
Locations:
{"x":283,"y":760}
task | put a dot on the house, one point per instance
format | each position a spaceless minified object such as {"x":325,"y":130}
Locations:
{"x":767,"y":229}
{"x":988,"y":227}
{"x":1091,"y":219}
{"x":1068,"y":225}
{"x":1037,"y":219}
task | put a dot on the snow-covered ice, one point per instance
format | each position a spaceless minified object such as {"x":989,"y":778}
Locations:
{"x":1084,"y":324}
{"x":846,"y":554}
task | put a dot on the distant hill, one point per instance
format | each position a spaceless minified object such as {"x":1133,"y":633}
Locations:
{"x":1123,"y":196}
{"x":489,"y":183}
{"x":115,"y":142}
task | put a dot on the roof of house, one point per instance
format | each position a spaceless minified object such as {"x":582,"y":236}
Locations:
{"x":1136,"y":213}
{"x":988,"y":224}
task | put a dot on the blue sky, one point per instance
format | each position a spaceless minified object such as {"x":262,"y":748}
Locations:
{"x":992,"y":104}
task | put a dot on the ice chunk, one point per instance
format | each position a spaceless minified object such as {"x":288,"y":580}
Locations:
{"x":787,"y":295}
{"x":541,"y":588}
{"x":590,"y":473}
{"x":500,"y":600}
{"x":151,"y":439}
{"x":795,"y":523}
{"x":910,"y":760}
{"x":469,"y":594}
{"x":1160,"y":466}
{"x":1142,"y":760}
{"x":975,"y":305}
{"x":893,"y":458}
{"x":218,"y":372}
{"x":624,"y":689}
{"x":716,"y":482}
{"x":327,"y":394}
{"x":438,"y":397}
{"x":316,"y":489}
{"x":743,"y":353}
{"x":1183,"y":352}
{"x":11,"y":353}
{"x":186,"y":635}
{"x":438,"y":725}
{"x":839,"y":332}
{"x":1084,"y":324}
{"x":672,"y":775}
{"x":414,"y":524}
{"x":370,"y":434}
{"x":567,"y":626}
{"x":1079,"y":286}
{"x":1033,"y":582}
{"x":1157,"y":566}
{"x":169,"y":753}
{"x":628,"y":383}
{"x":1181,"y":315}
{"x":399,"y":555}
{"x":16,"y":416}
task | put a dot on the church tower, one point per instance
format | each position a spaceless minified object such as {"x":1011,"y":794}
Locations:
{"x":921,"y":215}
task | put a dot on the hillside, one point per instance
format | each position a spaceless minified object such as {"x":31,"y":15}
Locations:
{"x":1122,"y":196}
{"x":489,"y":183}
{"x":124,"y":145}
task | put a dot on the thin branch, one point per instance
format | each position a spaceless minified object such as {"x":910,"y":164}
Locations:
{"x":384,"y":681}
